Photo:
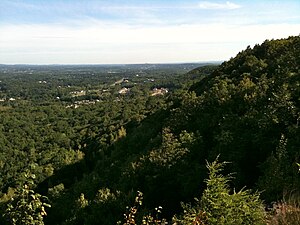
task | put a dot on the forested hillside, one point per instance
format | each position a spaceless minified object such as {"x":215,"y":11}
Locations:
{"x":90,"y":161}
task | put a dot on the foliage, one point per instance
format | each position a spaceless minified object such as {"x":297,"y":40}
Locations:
{"x":278,"y":174}
{"x":219,"y":206}
{"x":27,"y":207}
{"x":285,"y":212}
{"x":130,"y":217}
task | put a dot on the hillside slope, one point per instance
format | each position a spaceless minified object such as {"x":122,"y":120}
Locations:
{"x":249,"y":112}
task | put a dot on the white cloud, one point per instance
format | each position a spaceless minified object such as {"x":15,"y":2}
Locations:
{"x":212,"y":5}
{"x":117,"y":43}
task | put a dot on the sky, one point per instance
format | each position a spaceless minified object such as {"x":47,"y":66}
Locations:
{"x":139,"y":31}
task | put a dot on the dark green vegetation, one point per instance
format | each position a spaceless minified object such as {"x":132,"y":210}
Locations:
{"x":91,"y":148}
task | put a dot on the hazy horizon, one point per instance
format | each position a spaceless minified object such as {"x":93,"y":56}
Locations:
{"x":108,"y":64}
{"x":137,"y":32}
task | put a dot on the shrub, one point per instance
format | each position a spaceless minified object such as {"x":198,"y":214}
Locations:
{"x":26,"y":207}
{"x":286,"y":211}
{"x":220,"y":206}
{"x":131,"y":217}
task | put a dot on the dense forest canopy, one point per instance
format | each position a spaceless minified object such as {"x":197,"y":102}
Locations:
{"x":88,"y":138}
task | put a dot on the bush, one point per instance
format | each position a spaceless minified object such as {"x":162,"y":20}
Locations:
{"x":26,"y":207}
{"x":218,"y":206}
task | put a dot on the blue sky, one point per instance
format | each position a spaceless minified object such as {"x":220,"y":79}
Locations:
{"x":153,"y":31}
